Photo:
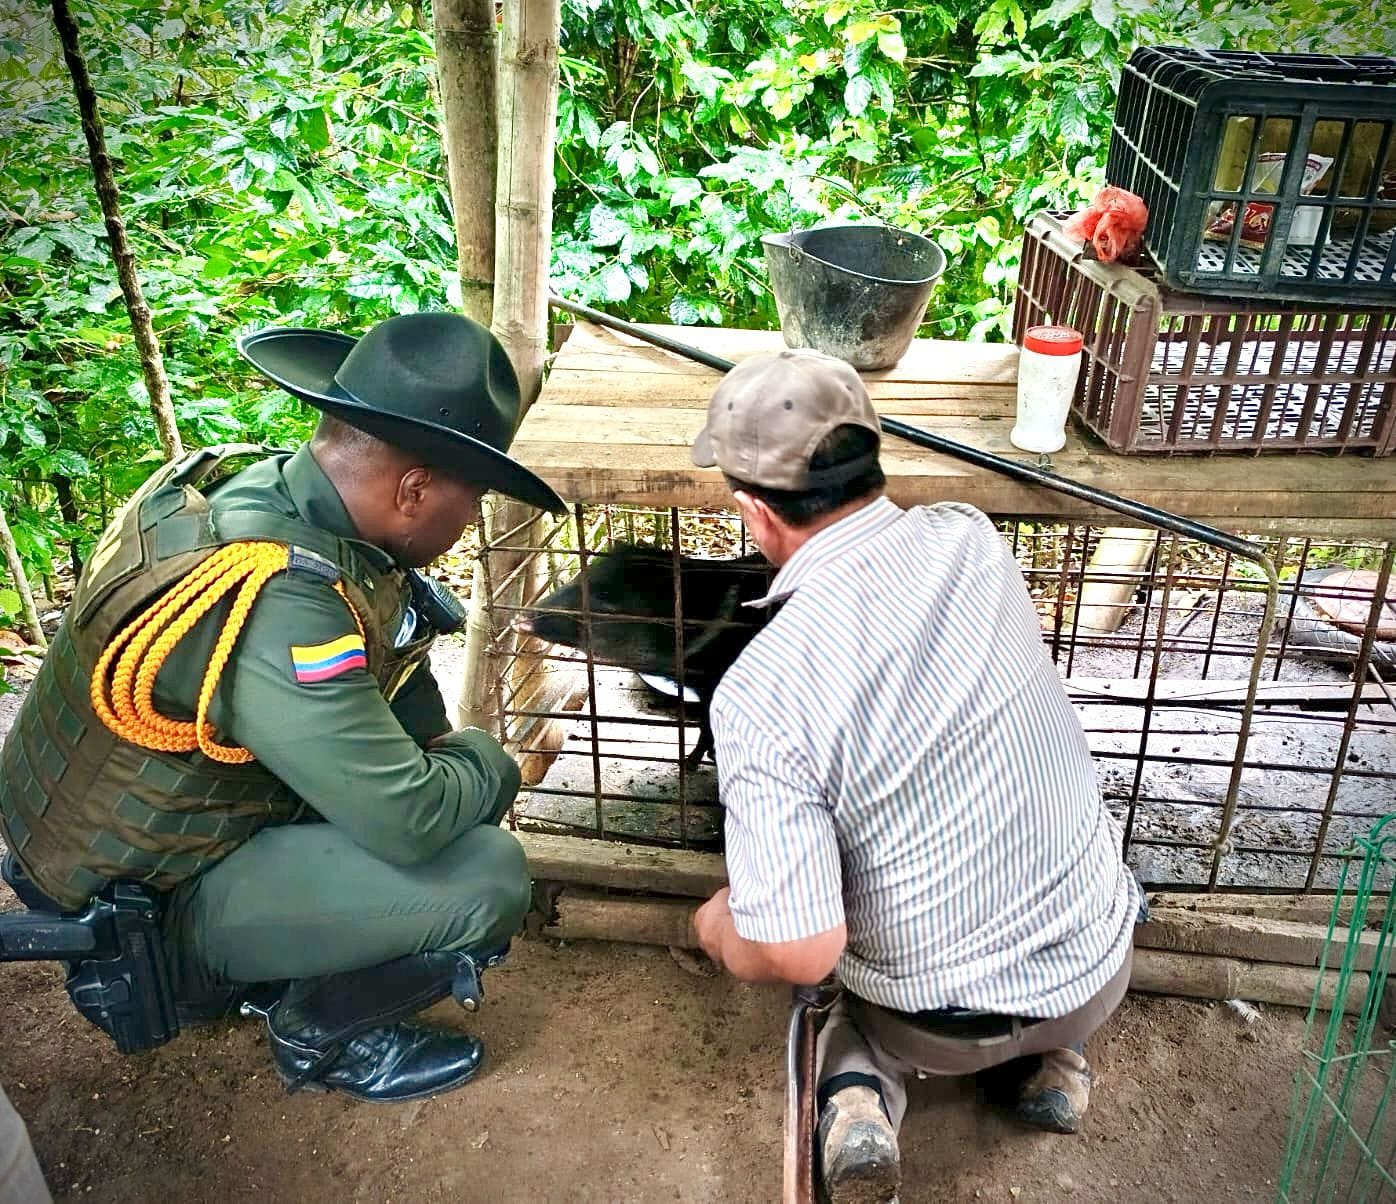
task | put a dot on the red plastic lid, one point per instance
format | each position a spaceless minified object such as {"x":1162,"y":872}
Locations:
{"x":1052,"y":340}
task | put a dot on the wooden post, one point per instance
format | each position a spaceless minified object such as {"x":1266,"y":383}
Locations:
{"x":147,"y":346}
{"x":1104,"y":605}
{"x":26,"y":595}
{"x":528,"y":78}
{"x":465,"y":66}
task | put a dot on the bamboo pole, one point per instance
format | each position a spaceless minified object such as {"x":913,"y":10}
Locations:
{"x":26,"y":595}
{"x":523,"y":211}
{"x":147,"y":346}
{"x":583,"y":916}
{"x":466,"y":70}
{"x":528,"y":78}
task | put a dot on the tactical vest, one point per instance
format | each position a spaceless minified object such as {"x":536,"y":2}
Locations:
{"x":81,"y":807}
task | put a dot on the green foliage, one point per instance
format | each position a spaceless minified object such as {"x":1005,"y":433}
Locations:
{"x":687,"y":131}
{"x":281,"y":163}
{"x":277,"y":164}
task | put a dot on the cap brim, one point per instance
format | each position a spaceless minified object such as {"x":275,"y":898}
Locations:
{"x":702,"y":451}
{"x":304,"y":362}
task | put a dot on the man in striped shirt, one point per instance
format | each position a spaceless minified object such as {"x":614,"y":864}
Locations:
{"x":909,"y":796}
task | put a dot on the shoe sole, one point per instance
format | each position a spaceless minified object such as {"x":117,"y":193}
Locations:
{"x":879,"y":1186}
{"x":1048,"y":1117}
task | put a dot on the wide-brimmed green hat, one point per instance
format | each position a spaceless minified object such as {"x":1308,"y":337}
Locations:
{"x":437,"y":385}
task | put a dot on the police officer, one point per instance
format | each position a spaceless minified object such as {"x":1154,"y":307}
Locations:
{"x":237,"y":710}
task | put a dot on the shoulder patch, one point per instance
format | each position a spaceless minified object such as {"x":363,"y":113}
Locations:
{"x":320,"y":662}
{"x":311,"y":564}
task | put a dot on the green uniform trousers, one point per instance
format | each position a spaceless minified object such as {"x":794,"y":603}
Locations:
{"x":303,"y":899}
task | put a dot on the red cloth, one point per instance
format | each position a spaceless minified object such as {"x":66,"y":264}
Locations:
{"x":1113,"y":223}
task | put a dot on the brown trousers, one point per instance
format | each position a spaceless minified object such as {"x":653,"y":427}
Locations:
{"x":862,"y":1038}
{"x":21,"y":1181}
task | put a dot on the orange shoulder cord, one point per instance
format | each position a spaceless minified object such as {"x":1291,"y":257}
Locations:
{"x":142,"y":647}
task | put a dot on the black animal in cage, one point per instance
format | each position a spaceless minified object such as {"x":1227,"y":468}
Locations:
{"x":630,"y":600}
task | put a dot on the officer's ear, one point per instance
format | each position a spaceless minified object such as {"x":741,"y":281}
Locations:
{"x":412,"y":491}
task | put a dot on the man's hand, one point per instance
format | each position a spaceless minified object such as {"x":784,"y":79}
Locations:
{"x":711,"y":921}
{"x":804,"y":961}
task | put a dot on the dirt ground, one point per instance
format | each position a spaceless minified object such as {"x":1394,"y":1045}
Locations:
{"x":615,"y":1075}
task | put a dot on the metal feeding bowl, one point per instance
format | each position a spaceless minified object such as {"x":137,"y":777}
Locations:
{"x":854,"y":291}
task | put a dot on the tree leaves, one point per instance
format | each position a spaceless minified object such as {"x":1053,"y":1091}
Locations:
{"x":605,"y":226}
{"x":615,"y":283}
{"x":856,"y":95}
{"x":1073,"y":119}
{"x":32,"y":244}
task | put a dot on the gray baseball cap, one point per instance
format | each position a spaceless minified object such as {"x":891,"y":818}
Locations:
{"x":771,"y":411}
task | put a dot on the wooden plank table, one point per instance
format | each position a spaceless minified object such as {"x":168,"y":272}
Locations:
{"x":616,"y":417}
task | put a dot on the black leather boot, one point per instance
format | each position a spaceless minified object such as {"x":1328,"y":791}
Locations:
{"x":345,"y":1032}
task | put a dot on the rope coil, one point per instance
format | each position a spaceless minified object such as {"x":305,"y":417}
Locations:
{"x":134,"y":657}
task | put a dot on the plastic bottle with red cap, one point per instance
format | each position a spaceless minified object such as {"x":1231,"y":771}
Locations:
{"x":1048,"y":365}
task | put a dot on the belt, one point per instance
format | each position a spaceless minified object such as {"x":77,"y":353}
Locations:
{"x":968,"y":1024}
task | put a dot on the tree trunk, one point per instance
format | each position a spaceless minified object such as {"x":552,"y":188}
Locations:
{"x":465,"y":67}
{"x":528,"y":80}
{"x":152,"y":365}
{"x":67,"y":507}
{"x":26,"y":596}
{"x":524,"y":194}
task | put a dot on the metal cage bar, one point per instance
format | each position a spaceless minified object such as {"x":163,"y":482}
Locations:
{"x":1231,"y":760}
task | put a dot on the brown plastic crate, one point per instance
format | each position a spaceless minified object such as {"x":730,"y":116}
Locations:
{"x":1166,"y":371}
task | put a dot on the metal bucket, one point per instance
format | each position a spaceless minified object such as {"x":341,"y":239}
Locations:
{"x":857,"y":292}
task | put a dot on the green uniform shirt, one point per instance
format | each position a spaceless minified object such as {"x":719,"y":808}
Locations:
{"x":356,"y":759}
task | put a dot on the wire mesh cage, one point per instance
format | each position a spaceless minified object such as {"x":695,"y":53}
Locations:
{"x":1217,"y":782}
{"x":1342,"y":1137}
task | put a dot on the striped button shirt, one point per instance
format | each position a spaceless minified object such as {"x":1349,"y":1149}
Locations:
{"x":896,"y":752}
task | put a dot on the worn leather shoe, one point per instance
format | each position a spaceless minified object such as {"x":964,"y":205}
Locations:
{"x":1055,"y":1096}
{"x":390,"y":1064}
{"x":860,"y":1161}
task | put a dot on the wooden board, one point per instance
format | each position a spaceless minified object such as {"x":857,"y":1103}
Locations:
{"x":1310,"y":909}
{"x":579,"y":861}
{"x":616,"y":418}
{"x":1253,"y":938}
{"x":588,"y":915}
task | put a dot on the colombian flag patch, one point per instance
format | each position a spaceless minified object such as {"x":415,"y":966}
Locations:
{"x":320,"y":662}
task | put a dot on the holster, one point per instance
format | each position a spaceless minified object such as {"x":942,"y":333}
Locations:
{"x":810,"y":1008}
{"x":117,"y":974}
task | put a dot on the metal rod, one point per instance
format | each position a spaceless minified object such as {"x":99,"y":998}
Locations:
{"x":649,"y":336}
{"x":1189,"y":528}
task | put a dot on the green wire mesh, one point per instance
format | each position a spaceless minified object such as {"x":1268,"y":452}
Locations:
{"x":1342,"y":1134}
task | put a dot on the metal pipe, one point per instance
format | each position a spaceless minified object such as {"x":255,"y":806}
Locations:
{"x":1186,"y":527}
